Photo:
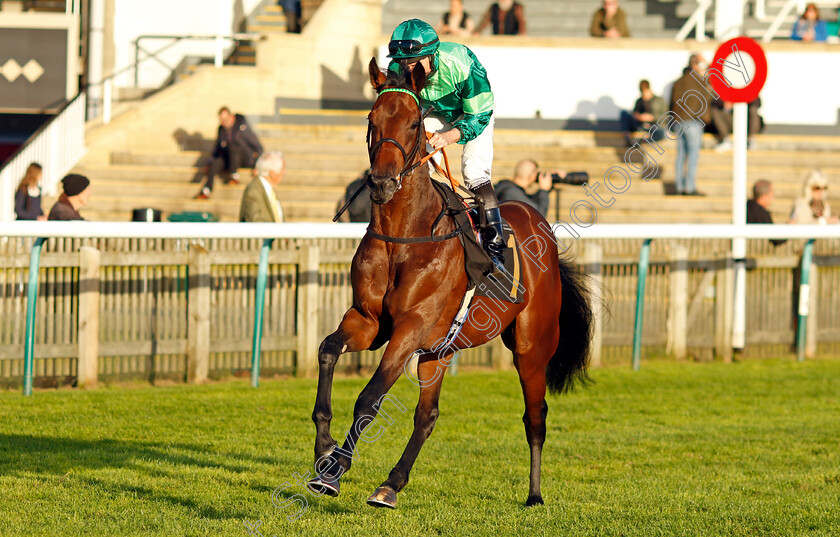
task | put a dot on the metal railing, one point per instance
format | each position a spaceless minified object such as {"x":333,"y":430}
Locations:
{"x":103,"y":106}
{"x":57,"y":145}
{"x":696,"y":22}
{"x":218,"y":57}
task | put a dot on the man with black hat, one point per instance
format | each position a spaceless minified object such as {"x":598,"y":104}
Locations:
{"x":75,"y":196}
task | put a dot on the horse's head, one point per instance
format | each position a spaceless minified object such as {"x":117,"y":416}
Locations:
{"x":396,"y":137}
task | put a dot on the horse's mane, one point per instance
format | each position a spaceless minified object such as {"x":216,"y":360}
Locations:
{"x":400,"y":80}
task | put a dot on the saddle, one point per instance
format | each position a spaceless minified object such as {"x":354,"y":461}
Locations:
{"x":506,"y":286}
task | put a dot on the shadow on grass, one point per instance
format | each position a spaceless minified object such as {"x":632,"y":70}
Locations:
{"x":23,"y":454}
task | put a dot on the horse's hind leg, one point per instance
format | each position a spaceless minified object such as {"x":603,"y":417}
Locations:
{"x":532,"y":379}
{"x":430,"y":373}
{"x":530,"y":341}
{"x":355,"y":332}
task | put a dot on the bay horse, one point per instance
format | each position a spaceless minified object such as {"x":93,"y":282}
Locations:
{"x":407,"y":294}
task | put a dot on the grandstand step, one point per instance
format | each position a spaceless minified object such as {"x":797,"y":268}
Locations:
{"x":164,"y":189}
{"x":192,"y":175}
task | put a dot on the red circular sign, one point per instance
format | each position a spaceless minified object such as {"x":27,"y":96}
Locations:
{"x":738,"y":46}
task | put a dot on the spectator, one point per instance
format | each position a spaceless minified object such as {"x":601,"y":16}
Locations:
{"x":236,"y":147}
{"x":722,"y":120}
{"x":758,"y":208}
{"x":75,"y":196}
{"x":812,"y":206}
{"x":525,"y":175}
{"x":456,"y":21}
{"x":609,"y":21}
{"x":292,"y":10}
{"x":648,"y":109}
{"x":359,"y":209}
{"x":507,"y":18}
{"x":809,"y":27}
{"x":28,"y":195}
{"x":691,"y":135}
{"x":259,"y":201}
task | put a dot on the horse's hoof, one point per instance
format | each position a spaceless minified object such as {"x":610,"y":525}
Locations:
{"x":534,"y":500}
{"x":325,"y":484}
{"x":383,"y":497}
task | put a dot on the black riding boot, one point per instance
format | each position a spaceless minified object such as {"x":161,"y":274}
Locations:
{"x":492,"y":236}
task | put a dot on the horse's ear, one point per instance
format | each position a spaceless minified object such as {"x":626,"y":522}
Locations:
{"x":418,"y":78}
{"x":377,"y":78}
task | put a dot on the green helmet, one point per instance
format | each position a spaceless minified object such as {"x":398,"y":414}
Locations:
{"x":413,"y":39}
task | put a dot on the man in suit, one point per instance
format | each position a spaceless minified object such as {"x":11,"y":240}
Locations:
{"x":259,"y":201}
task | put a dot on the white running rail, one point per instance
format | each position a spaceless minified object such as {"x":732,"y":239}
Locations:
{"x":328,"y":230}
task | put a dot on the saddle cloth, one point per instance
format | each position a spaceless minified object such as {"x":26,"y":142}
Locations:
{"x":477,"y":263}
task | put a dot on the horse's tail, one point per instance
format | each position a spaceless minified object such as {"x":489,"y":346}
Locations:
{"x":568,"y":365}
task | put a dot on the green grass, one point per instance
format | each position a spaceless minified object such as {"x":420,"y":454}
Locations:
{"x":747,"y":449}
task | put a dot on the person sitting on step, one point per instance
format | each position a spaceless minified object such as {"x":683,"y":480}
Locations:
{"x":236,"y":147}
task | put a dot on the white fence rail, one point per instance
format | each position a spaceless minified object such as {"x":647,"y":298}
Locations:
{"x":57,"y":146}
{"x":327,"y":230}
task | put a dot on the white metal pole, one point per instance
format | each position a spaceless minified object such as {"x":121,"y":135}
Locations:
{"x":739,"y":218}
{"x":95,"y":57}
{"x":106,"y":101}
{"x":220,"y":31}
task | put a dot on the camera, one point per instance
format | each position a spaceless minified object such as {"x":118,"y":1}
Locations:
{"x":571,"y":178}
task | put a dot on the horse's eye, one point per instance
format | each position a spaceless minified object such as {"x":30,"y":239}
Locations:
{"x":415,"y":125}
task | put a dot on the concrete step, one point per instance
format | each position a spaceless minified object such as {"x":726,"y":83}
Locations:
{"x":799,"y":161}
{"x":226,"y":210}
{"x":171,"y":190}
{"x":330,"y":170}
{"x":187,"y":175}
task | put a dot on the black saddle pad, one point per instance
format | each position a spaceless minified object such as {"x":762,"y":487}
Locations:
{"x":477,"y":263}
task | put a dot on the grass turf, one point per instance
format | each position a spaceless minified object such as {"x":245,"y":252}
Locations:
{"x":747,"y":449}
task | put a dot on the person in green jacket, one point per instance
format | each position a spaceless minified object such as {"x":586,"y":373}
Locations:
{"x":459,"y":92}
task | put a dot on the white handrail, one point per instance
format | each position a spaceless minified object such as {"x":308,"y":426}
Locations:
{"x":780,"y":18}
{"x":760,"y":9}
{"x":57,"y":147}
{"x":328,"y":230}
{"x":696,"y":20}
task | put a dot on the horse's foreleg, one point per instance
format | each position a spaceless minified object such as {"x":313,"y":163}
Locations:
{"x":355,"y":333}
{"x":332,"y":465}
{"x":430,"y":372}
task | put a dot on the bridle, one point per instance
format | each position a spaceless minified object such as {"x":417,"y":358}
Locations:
{"x":408,"y":168}
{"x":407,"y":157}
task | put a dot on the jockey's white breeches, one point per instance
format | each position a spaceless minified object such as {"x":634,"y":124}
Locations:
{"x":477,"y":159}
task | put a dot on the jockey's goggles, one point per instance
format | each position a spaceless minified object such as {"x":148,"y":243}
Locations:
{"x":408,"y":46}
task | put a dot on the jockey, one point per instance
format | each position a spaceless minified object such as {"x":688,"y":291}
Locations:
{"x":458,"y":90}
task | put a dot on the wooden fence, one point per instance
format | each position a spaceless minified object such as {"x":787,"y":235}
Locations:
{"x":165,"y":309}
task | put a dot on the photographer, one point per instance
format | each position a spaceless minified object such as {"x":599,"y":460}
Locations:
{"x":525,"y":175}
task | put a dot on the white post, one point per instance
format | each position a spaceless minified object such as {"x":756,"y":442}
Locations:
{"x":729,"y":19}
{"x":106,"y":101}
{"x":739,"y":218}
{"x":95,"y":56}
{"x":760,"y":10}
{"x":700,"y":31}
{"x":220,"y":31}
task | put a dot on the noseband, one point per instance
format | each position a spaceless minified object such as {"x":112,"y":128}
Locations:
{"x":407,"y":157}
